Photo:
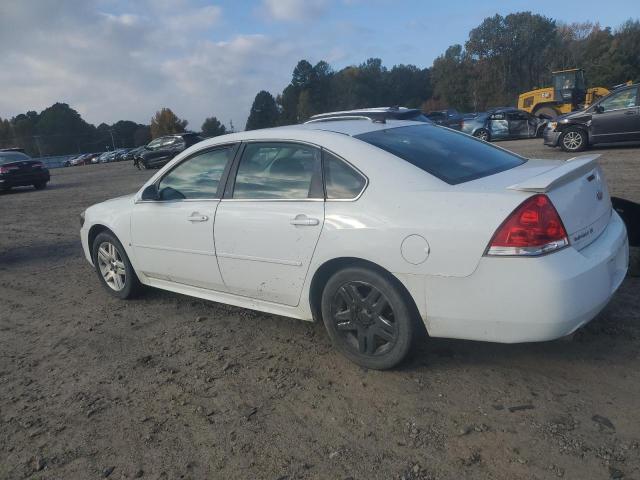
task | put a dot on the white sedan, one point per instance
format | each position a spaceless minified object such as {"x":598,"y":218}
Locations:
{"x":380,"y":229}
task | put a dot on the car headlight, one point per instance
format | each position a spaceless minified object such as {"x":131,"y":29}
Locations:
{"x":81,"y":219}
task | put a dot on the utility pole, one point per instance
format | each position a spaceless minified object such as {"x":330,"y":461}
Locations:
{"x":37,"y":138}
{"x":112,"y":141}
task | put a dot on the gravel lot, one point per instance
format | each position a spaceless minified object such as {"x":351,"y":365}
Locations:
{"x":169,"y":387}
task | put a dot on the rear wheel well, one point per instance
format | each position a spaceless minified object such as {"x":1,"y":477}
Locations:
{"x":330,"y":267}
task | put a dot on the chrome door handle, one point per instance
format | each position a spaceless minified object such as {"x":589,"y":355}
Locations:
{"x":303,"y":220}
{"x":196,"y":217}
{"x":630,"y":112}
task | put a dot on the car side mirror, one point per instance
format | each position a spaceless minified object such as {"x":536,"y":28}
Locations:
{"x":150,"y":193}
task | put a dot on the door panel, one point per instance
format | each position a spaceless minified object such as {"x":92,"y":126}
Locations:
{"x":498,"y":126}
{"x":269,"y":223}
{"x":173,"y":235}
{"x":620,"y":120}
{"x":174,"y":241}
{"x":518,"y":125}
{"x":264,"y":247}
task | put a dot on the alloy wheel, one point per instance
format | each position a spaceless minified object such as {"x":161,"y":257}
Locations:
{"x":111,"y":266}
{"x":364,"y":318}
{"x":572,"y":140}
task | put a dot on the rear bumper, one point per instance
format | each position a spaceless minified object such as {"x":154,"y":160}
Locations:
{"x":23,"y":180}
{"x":551,"y":137}
{"x":512,"y":300}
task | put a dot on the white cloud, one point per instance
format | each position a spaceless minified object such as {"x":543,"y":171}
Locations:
{"x":294,"y":10}
{"x":126,"y":65}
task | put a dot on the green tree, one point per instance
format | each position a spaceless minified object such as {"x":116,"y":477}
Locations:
{"x":61,"y":130}
{"x":212,"y":127}
{"x":124,"y":133}
{"x":264,"y":112}
{"x":142,"y":135}
{"x":165,"y":122}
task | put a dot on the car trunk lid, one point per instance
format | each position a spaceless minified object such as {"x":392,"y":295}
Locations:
{"x":579,"y":192}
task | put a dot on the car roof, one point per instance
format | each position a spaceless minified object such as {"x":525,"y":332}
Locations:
{"x":377,"y":113}
{"x":309,"y":131}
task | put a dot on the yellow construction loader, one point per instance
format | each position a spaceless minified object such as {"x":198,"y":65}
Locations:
{"x":568,"y":93}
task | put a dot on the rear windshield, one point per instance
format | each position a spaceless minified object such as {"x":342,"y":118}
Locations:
{"x":449,"y":155}
{"x":8,"y":157}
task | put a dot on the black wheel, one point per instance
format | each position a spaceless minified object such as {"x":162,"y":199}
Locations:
{"x":549,"y":113}
{"x":482,"y":134}
{"x":113,"y":266}
{"x":40,"y":185}
{"x":573,"y":140}
{"x":368,"y":318}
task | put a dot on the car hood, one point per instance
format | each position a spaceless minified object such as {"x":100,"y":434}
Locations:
{"x":577,"y":115}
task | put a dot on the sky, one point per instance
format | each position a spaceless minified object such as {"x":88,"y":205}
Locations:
{"x":116,"y":60}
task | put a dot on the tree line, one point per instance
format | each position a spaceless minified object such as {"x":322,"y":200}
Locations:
{"x":60,"y":130}
{"x":502,"y":57}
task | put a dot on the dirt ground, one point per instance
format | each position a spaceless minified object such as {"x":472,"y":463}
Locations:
{"x":171,"y":387}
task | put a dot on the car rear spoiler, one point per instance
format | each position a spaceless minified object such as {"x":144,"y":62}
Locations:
{"x":568,"y":171}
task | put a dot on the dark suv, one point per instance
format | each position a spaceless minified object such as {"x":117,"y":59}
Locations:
{"x":159,"y":151}
{"x":614,"y":118}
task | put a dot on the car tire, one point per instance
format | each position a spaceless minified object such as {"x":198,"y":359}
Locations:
{"x":482,"y":134}
{"x":113,"y":267}
{"x":573,"y":140}
{"x":368,"y":317}
{"x":40,"y":185}
{"x":549,"y":113}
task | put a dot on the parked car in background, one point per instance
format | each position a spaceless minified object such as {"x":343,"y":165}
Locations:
{"x":614,"y":118}
{"x":502,"y":124}
{"x":447,"y":118}
{"x":105,"y":157}
{"x":83,"y":159}
{"x":159,"y":151}
{"x":92,"y":158}
{"x":18,"y":169}
{"x":378,"y":114}
{"x":376,"y":229}
{"x":133,"y":153}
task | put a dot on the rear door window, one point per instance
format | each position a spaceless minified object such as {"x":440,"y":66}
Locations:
{"x":285,"y":171}
{"x":446,"y":154}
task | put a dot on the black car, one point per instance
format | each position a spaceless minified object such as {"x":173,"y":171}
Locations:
{"x":503,"y":123}
{"x":133,"y":153}
{"x":447,"y":118}
{"x":614,"y":118}
{"x":18,"y":169}
{"x":159,"y":151}
{"x":376,"y":114}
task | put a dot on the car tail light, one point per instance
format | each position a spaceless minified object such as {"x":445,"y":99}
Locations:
{"x":532,"y":229}
{"x":37,"y":165}
{"x":4,"y":170}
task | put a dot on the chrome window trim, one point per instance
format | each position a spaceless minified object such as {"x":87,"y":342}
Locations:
{"x":349,"y":164}
{"x":176,"y":200}
{"x":615,"y":110}
{"x":264,"y":140}
{"x":138,"y":196}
